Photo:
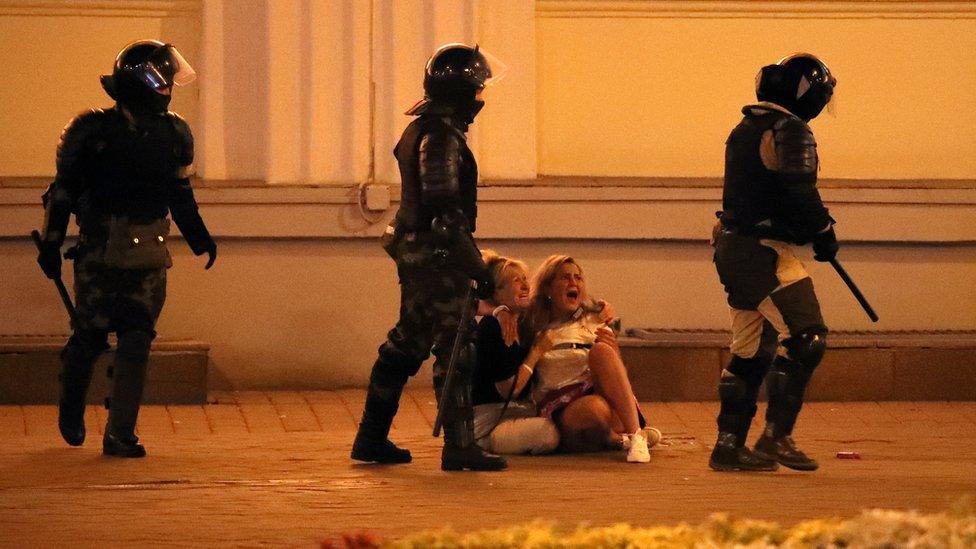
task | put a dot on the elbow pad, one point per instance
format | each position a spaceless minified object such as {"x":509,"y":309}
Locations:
{"x":796,"y":152}
{"x":440,"y":154}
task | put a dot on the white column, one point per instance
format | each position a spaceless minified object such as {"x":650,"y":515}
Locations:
{"x":339,"y":102}
{"x":210,"y":142}
{"x":286,"y":85}
{"x":287,"y":88}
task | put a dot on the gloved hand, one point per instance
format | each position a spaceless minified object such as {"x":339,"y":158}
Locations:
{"x":825,"y":245}
{"x":486,"y":284}
{"x":49,"y":258}
{"x":212,"y":252}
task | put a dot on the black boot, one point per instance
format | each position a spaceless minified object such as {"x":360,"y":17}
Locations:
{"x":127,"y":447}
{"x":784,"y":451}
{"x":728,"y":455}
{"x":129,"y":380}
{"x":75,"y":378}
{"x":472,"y":458}
{"x":786,"y":383}
{"x":460,"y":450}
{"x":378,"y":451}
{"x":382,"y":402}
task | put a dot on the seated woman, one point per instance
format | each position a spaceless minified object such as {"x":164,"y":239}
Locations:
{"x":581,"y":382}
{"x":505,"y":420}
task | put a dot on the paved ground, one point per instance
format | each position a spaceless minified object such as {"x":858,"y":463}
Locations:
{"x":256,"y":468}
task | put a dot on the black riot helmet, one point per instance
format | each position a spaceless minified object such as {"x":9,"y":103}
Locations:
{"x":144,"y":74}
{"x":454,"y":75}
{"x":801,"y":83}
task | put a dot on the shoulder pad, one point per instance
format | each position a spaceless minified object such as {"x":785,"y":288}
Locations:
{"x":793,"y":131}
{"x":185,"y":137}
{"x":439,"y":140}
{"x":796,"y":149}
{"x":84,"y":123}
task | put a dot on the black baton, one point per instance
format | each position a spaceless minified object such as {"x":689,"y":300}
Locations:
{"x":448,"y":386}
{"x":58,"y":283}
{"x":854,"y":290}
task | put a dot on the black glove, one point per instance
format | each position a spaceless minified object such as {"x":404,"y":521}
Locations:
{"x":49,"y":258}
{"x":486,"y":285}
{"x":825,"y":245}
{"x":212,"y":252}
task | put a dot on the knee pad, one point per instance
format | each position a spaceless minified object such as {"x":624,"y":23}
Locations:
{"x":395,"y":359}
{"x":84,"y":346}
{"x":134,"y":346}
{"x":807,"y":347}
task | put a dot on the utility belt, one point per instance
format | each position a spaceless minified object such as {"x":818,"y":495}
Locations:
{"x":423,"y":249}
{"x":758,"y":232}
{"x":130,"y":244}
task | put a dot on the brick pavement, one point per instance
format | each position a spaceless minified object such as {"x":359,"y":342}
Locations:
{"x":258,"y":468}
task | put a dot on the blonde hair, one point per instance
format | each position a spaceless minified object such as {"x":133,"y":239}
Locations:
{"x":497,"y":264}
{"x":540,"y":306}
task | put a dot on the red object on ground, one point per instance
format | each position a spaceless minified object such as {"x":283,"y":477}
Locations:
{"x":848,"y":455}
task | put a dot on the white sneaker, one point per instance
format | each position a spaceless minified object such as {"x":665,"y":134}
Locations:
{"x":653,"y":436}
{"x":637,"y":453}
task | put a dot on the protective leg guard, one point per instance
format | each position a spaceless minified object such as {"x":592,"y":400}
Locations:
{"x":129,"y":380}
{"x":738,"y":390}
{"x":788,"y":379}
{"x":786,"y":384}
{"x":77,"y":361}
{"x":372,"y":444}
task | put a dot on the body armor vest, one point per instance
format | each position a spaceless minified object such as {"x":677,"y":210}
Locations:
{"x":414,"y":215}
{"x":130,"y":170}
{"x":750,"y":197}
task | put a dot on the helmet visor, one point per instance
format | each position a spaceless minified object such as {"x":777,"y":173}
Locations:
{"x":165,"y":68}
{"x":831,"y":107}
{"x":497,"y":68}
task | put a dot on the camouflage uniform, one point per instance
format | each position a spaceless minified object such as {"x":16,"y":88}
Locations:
{"x":435,"y":269}
{"x":111,"y":166}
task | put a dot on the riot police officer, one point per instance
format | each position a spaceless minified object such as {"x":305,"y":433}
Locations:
{"x":770,"y":203}
{"x":120,"y":170}
{"x":437,"y":259}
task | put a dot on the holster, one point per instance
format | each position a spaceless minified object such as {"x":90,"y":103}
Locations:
{"x":134,"y":246}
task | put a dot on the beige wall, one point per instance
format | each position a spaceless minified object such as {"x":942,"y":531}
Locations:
{"x":295,"y":301}
{"x":51,"y":54}
{"x":301,"y":294}
{"x":653,"y":90}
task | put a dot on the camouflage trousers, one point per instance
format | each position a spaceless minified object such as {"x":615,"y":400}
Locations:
{"x":127,"y":302}
{"x":115,"y":300}
{"x":431,"y":303}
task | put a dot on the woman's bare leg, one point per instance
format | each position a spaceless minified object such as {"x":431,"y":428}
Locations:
{"x":585,"y":425}
{"x":610,"y":378}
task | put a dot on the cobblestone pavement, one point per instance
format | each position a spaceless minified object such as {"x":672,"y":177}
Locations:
{"x":273,"y":468}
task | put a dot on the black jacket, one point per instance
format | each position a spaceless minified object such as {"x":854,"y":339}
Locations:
{"x":772,"y":193}
{"x":109,"y":164}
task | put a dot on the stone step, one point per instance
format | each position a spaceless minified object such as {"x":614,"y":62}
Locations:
{"x":29,"y":367}
{"x":684,"y":365}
